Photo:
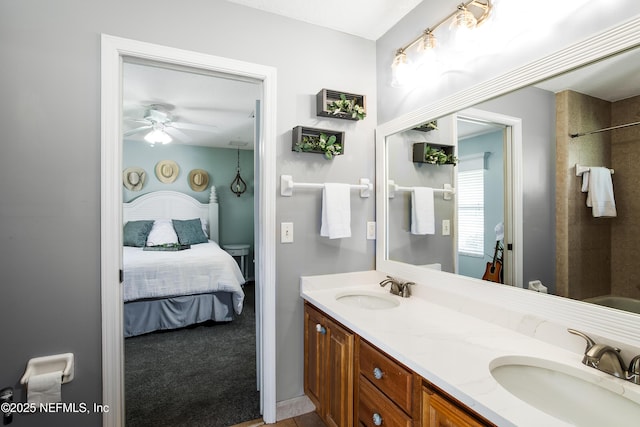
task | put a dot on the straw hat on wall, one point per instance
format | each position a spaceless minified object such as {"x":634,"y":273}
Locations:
{"x":133,"y":178}
{"x":167,"y":171}
{"x":198,"y":179}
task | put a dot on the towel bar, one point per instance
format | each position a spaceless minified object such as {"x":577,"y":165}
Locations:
{"x":580,"y":169}
{"x":447,"y":191}
{"x":287,"y":185}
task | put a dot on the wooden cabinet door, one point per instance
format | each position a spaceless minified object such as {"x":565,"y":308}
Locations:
{"x":339,"y":378}
{"x":439,"y":412}
{"x":314,"y":360}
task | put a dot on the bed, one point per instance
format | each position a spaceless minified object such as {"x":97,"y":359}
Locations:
{"x":168,"y":285}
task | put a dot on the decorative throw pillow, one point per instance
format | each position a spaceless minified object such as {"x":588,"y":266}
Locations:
{"x":136,"y":233}
{"x":189,"y":231}
{"x":162,"y":233}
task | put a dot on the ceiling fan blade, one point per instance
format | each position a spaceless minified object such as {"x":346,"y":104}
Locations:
{"x":178,"y":134}
{"x":136,"y":130}
{"x":137,"y":120}
{"x":192,"y":126}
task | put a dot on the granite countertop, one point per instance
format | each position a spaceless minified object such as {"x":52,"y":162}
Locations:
{"x":448,"y":347}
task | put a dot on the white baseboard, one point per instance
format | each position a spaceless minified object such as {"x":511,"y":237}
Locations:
{"x":294,"y":407}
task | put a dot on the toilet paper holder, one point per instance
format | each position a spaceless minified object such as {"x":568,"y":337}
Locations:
{"x":46,"y":364}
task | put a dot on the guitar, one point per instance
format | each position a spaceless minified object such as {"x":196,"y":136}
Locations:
{"x":493,"y":272}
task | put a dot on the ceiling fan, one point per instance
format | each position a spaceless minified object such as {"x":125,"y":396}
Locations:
{"x":161,"y":126}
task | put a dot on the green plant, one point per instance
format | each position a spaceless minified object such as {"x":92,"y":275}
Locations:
{"x":346,"y":106}
{"x":427,"y":126}
{"x":437,"y":156}
{"x":323,"y":143}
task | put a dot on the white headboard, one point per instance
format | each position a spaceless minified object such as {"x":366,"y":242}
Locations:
{"x":172,"y":205}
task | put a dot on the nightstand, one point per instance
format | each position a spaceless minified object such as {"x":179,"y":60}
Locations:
{"x":241,"y":251}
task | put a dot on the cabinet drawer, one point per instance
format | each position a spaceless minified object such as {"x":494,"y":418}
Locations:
{"x":387,"y":375}
{"x":372,"y":403}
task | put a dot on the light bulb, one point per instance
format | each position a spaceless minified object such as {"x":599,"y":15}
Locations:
{"x":427,"y":42}
{"x":463,"y":25}
{"x":465,"y":19}
{"x":158,"y":135}
{"x":401,"y":70}
{"x":428,"y":66}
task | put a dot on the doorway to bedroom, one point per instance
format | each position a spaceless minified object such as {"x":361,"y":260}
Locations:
{"x":189,"y":301}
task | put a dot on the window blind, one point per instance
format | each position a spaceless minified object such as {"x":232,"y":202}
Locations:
{"x":471,"y":212}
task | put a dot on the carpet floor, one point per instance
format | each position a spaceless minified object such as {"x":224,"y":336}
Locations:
{"x":198,"y":376}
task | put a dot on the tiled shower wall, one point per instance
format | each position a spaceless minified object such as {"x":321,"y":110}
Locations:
{"x":583,"y":243}
{"x":625,"y":229}
{"x":596,"y":256}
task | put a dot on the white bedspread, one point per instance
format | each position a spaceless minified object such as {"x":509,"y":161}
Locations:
{"x":203,"y":268}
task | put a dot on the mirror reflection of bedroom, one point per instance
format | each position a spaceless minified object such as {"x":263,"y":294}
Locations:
{"x":188,"y":247}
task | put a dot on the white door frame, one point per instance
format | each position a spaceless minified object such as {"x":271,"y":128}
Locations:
{"x":513,"y":190}
{"x":114,"y":49}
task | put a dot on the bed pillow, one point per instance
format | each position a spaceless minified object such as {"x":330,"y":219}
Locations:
{"x":189,"y":231}
{"x":205,"y":226}
{"x":162,"y":233}
{"x":136,"y":233}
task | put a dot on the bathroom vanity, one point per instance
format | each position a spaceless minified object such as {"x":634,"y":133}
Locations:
{"x":352,"y":382}
{"x":436,"y":358}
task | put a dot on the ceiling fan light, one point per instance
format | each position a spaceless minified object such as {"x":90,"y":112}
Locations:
{"x":158,"y":135}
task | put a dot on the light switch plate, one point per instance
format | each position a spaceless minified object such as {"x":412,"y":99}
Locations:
{"x":371,"y":230}
{"x":286,"y":232}
{"x":446,"y":227}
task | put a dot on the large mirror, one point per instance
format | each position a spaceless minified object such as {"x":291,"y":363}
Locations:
{"x":496,"y":190}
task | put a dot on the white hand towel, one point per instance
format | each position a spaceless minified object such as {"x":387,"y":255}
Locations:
{"x":336,"y":211}
{"x":585,"y":182}
{"x":423,"y":219}
{"x":600,"y":197}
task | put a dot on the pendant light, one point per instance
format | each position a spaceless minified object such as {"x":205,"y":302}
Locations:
{"x":238,"y":186}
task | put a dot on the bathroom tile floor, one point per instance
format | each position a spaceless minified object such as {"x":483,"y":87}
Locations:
{"x":307,"y":420}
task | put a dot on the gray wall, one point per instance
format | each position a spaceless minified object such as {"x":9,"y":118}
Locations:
{"x":50,"y":167}
{"x":536,"y":108}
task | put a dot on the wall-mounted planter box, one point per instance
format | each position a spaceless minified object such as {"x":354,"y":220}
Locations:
{"x":300,"y":132}
{"x":427,"y":127}
{"x":326,"y":97}
{"x":420,"y":148}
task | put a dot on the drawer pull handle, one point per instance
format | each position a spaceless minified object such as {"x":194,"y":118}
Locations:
{"x":377,"y":373}
{"x":377,"y":419}
{"x":321,"y":329}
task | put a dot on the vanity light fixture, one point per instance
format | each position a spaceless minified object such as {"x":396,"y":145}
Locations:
{"x":464,"y":20}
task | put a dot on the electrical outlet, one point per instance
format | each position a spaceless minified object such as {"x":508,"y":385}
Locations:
{"x":371,"y":230}
{"x":286,"y":232}
{"x":446,"y":227}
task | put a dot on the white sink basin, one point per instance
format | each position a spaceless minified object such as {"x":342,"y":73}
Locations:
{"x":368,"y":300}
{"x":568,"y":393}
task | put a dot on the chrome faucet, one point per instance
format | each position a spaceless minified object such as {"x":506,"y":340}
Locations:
{"x":607,"y":359}
{"x":634,"y":370}
{"x":397,"y":286}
